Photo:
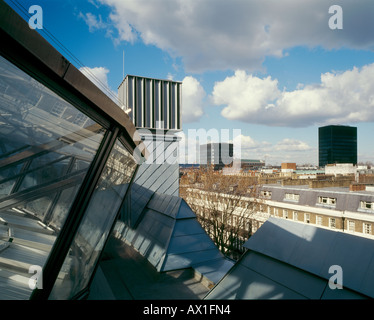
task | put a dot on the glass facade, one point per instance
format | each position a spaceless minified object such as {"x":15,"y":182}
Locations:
{"x":337,"y":144}
{"x":96,"y":225}
{"x":217,"y":154}
{"x":64,"y":172}
{"x":44,"y":158}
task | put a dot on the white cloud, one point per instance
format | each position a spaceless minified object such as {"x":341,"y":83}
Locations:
{"x":94,"y":23}
{"x":246,"y":147}
{"x":239,"y":34}
{"x":99,"y":76}
{"x":248,"y":144}
{"x":192,"y":99}
{"x":287,"y":149}
{"x":290,"y":145}
{"x":339,"y":98}
{"x":244,"y":95}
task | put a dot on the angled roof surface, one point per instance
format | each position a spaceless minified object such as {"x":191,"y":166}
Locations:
{"x":290,"y":260}
{"x":171,"y":238}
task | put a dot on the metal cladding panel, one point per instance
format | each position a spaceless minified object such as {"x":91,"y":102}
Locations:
{"x":188,"y":259}
{"x":185,"y":211}
{"x":187,"y":226}
{"x":315,"y":250}
{"x":295,"y":279}
{"x":166,"y":204}
{"x":244,"y":283}
{"x":154,"y":103}
{"x":214,"y":270}
{"x":341,"y":295}
{"x":170,"y":237}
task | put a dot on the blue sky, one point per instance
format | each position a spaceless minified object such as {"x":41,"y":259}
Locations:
{"x":274,"y":70}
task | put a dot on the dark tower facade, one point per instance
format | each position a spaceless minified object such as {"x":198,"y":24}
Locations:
{"x":218,"y":155}
{"x":337,"y":144}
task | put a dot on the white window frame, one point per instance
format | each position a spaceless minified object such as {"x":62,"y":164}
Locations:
{"x":266,"y":194}
{"x":292,"y":196}
{"x":247,"y":224}
{"x":327,"y":201}
{"x":235,"y":220}
{"x":367,"y":205}
{"x":58,"y":109}
{"x":307,"y":217}
{"x":285,"y":213}
{"x":332,"y":223}
{"x":80,"y":119}
{"x":366,"y":228}
{"x":319,"y":220}
{"x":295,"y":216}
{"x":351,"y":225}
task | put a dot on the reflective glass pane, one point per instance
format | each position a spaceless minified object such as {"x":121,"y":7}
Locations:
{"x":97,"y":222}
{"x":44,"y":156}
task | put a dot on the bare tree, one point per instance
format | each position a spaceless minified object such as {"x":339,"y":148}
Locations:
{"x":224,"y":205}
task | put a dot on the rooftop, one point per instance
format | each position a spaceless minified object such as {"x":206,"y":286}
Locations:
{"x":305,"y":187}
{"x":125,"y":274}
{"x":289,"y":260}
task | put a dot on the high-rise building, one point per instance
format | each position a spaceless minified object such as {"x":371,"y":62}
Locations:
{"x":337,"y":144}
{"x":218,"y":155}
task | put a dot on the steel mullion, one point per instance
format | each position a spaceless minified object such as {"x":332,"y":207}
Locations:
{"x":63,"y":243}
{"x":117,"y":216}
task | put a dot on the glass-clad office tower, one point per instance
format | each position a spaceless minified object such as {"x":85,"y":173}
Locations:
{"x":217,"y":155}
{"x":337,"y":144}
{"x":66,"y":162}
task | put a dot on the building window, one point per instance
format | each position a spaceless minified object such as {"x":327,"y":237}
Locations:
{"x":292,"y":196}
{"x":235,"y":221}
{"x":307,"y":218}
{"x":266,"y":194}
{"x":351,"y":225}
{"x":367,"y":205}
{"x":276,"y":212}
{"x":285,"y":214}
{"x":327,"y":201}
{"x":58,"y":109}
{"x":332,"y":223}
{"x":367,"y":228}
{"x":295,"y":216}
{"x":319,"y":220}
{"x":247,"y":224}
{"x":80,"y":119}
{"x":254,"y":228}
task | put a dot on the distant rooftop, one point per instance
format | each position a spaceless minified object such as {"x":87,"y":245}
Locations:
{"x":304,"y":187}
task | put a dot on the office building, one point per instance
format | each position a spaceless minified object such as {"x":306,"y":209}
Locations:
{"x":337,"y":144}
{"x":217,"y":155}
